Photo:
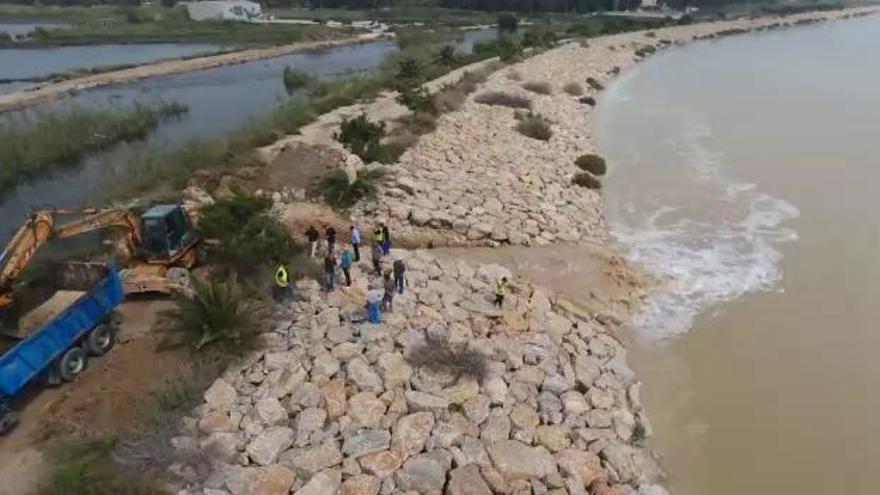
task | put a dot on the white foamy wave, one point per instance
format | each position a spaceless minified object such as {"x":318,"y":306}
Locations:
{"x":714,"y":246}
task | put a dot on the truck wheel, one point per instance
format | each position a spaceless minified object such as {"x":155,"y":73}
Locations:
{"x":100,"y":340}
{"x":72,"y":363}
{"x":8,"y":420}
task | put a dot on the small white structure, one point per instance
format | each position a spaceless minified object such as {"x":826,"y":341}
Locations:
{"x":224,"y":10}
{"x":649,"y":4}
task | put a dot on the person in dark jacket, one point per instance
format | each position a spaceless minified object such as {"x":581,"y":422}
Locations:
{"x":312,"y":235}
{"x":329,"y":272}
{"x":399,"y":269}
{"x":388,"y":297}
{"x":377,"y":259}
{"x":330,"y":236}
{"x":386,"y":240}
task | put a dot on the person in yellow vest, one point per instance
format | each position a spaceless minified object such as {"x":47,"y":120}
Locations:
{"x":282,"y":284}
{"x":501,"y":288}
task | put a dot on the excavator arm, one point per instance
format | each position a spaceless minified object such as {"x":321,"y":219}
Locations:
{"x":36,"y":232}
{"x":41,"y":227}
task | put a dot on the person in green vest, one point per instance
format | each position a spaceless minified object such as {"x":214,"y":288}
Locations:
{"x":282,"y":284}
{"x":501,"y":288}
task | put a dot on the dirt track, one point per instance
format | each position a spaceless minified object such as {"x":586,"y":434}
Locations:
{"x":108,"y":396}
{"x":22,"y":99}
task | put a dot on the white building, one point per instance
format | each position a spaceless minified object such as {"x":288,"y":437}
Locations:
{"x":649,"y":4}
{"x":224,"y":10}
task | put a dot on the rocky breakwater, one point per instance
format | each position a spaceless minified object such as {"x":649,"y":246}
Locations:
{"x":448,"y":395}
{"x":476,"y":180}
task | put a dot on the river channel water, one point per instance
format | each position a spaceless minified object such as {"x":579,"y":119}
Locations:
{"x":744,"y":172}
{"x":220,"y":100}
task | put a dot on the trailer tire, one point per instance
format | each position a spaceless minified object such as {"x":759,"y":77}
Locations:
{"x":72,"y":363}
{"x":100,"y":339}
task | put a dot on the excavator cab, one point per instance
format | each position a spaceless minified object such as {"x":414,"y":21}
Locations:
{"x":167,"y":233}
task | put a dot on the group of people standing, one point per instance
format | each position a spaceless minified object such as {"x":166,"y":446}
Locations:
{"x":341,"y":258}
{"x":379,"y":297}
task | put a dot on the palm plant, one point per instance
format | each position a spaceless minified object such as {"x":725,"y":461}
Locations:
{"x":216,"y":313}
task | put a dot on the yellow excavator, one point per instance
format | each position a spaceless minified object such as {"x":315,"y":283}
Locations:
{"x":157,"y":250}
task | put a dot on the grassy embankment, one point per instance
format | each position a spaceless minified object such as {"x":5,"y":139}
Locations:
{"x":154,"y":24}
{"x":33,"y":145}
{"x":164,"y":173}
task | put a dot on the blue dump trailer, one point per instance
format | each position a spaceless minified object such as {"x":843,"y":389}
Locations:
{"x":56,"y":350}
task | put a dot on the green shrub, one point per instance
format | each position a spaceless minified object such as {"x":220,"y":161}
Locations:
{"x":594,"y":164}
{"x":507,"y":48}
{"x":507,"y":23}
{"x":339,"y":193}
{"x":539,"y":36}
{"x":533,"y":125}
{"x":296,"y":79}
{"x":248,"y":236}
{"x":446,"y":55}
{"x":87,"y":468}
{"x":417,"y":99}
{"x":540,"y":87}
{"x":593,"y":83}
{"x":585,"y":179}
{"x":573,"y":88}
{"x":362,"y":137}
{"x":410,"y":72}
{"x":218,"y":313}
{"x":499,"y":98}
{"x":588,"y":100}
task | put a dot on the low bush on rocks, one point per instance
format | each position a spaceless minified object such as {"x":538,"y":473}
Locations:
{"x":499,"y":98}
{"x":417,"y":99}
{"x":218,"y":313}
{"x":540,"y":87}
{"x":340,"y":193}
{"x":573,"y":88}
{"x":588,"y":100}
{"x":586,"y":179}
{"x":645,"y":51}
{"x":534,"y":125}
{"x":362,"y":137}
{"x":439,"y":356}
{"x":594,"y":164}
{"x":513,"y":75}
{"x":453,"y":96}
{"x":593,"y":83}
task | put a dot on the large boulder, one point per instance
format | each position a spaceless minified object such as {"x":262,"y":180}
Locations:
{"x":516,"y":460}
{"x":264,"y":449}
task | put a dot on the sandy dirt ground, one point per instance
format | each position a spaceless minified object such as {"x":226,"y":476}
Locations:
{"x":108,"y":396}
{"x":22,"y":99}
